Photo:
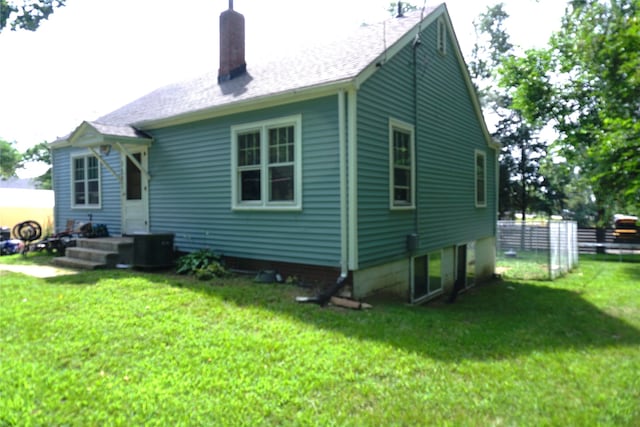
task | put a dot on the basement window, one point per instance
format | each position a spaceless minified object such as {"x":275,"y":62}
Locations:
{"x":426,"y":276}
{"x":266,"y":165}
{"x":85,"y":185}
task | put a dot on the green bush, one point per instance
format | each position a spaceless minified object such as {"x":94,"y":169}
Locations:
{"x":204,"y":264}
{"x":215,"y":269}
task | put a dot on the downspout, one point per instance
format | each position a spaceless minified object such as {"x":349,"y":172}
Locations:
{"x":416,"y":43}
{"x":352,"y":176}
{"x":345,"y":206}
{"x":344,"y":212}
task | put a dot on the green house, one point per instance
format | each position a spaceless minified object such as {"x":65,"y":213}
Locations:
{"x":366,"y":158}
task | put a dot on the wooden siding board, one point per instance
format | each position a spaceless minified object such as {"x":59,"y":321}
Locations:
{"x":447,"y":135}
{"x":191,"y":190}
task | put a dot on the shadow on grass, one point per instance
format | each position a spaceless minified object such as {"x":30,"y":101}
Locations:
{"x":93,"y":277}
{"x":495,"y":321}
{"x":499,"y":320}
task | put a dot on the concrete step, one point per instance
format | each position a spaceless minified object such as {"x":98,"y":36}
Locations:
{"x":109,"y":244}
{"x":93,"y":255}
{"x":123,"y":246}
{"x":77,"y":263}
{"x":90,"y":254}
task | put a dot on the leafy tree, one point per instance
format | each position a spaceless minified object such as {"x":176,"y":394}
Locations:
{"x":520,"y":180}
{"x":587,"y":84}
{"x":40,"y":153}
{"x":10,"y":159}
{"x":568,"y":192}
{"x":405,"y":7}
{"x":26,"y":14}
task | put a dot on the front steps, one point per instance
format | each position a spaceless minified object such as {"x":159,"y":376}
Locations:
{"x":104,"y":252}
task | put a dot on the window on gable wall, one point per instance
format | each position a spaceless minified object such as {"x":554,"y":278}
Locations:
{"x":402,"y":165}
{"x":267,"y":166}
{"x":86,"y":182}
{"x":481,"y":179}
{"x":441,"y":41}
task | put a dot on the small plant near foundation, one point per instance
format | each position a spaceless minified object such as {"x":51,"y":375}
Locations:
{"x":211,"y":271}
{"x":292,"y":280}
{"x":204,"y":264}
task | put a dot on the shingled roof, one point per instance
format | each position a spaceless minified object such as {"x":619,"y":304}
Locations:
{"x":335,"y":63}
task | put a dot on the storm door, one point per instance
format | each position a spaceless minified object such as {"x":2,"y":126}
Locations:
{"x":135,"y":194}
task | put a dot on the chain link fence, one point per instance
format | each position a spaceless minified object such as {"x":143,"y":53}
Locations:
{"x":541,"y":250}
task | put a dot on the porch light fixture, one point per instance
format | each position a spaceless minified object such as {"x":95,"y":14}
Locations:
{"x":105,"y":149}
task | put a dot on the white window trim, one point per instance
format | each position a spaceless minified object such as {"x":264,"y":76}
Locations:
{"x":441,"y":38}
{"x":482,"y":154}
{"x":405,"y":127}
{"x":263,"y":203}
{"x":73,"y":179}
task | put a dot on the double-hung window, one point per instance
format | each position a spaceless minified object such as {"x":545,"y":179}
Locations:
{"x":266,"y":164}
{"x":401,"y":165}
{"x":481,"y":179}
{"x":86,"y":182}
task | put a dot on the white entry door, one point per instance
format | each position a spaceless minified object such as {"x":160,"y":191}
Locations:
{"x":135,"y":194}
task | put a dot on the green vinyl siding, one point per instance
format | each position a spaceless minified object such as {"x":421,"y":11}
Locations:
{"x":190,"y":190}
{"x":109,"y":211}
{"x":447,"y":132}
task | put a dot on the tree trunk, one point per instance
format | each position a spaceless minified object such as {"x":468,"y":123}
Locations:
{"x":523,"y":170}
{"x":600,"y":230}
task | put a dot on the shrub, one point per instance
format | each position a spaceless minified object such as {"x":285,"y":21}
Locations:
{"x":215,"y":269}
{"x":204,"y":264}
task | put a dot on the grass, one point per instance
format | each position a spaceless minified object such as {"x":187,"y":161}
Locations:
{"x":528,"y":265}
{"x":132,"y":348}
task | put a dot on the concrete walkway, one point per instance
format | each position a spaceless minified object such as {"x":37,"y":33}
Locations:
{"x":41,"y":271}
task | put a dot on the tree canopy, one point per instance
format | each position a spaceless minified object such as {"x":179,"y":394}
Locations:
{"x":404,"y":7}
{"x":40,"y":153}
{"x":586,"y":83}
{"x":522,"y":149}
{"x":26,"y":15}
{"x":10,"y":159}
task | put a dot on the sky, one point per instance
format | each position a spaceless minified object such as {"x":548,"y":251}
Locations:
{"x":94,"y":56}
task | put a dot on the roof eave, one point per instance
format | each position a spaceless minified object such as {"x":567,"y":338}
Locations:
{"x":86,"y":135}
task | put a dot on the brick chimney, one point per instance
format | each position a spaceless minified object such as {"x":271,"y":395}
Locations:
{"x":232,"y":62}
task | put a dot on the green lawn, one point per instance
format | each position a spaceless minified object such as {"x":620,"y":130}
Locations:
{"x":128,"y":348}
{"x":528,"y":265}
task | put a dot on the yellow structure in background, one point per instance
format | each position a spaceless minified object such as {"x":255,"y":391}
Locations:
{"x":19,"y":204}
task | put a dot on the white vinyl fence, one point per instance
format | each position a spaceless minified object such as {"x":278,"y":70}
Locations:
{"x":536,"y":250}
